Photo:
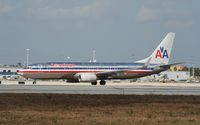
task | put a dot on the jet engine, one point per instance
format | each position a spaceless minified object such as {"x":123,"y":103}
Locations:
{"x":86,"y":77}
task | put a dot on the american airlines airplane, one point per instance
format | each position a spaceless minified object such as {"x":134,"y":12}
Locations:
{"x":93,"y":72}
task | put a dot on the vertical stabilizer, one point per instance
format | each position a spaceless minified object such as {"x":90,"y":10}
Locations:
{"x":162,"y":53}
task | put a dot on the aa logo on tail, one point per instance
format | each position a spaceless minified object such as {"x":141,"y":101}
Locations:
{"x":162,"y":53}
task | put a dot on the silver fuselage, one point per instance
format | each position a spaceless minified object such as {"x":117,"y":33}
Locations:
{"x":68,"y":70}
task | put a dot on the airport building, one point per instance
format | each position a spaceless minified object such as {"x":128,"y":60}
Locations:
{"x":167,"y":76}
{"x":176,"y":73}
{"x":8,"y":72}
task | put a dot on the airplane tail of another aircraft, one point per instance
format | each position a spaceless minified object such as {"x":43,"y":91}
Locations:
{"x":161,"y":54}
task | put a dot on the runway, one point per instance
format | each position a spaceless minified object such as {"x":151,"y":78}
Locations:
{"x":119,"y":88}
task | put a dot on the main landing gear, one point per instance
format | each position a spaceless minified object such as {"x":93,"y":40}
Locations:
{"x":94,"y":83}
{"x":102,"y":82}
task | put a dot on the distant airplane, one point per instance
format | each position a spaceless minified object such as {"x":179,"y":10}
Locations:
{"x":92,"y":72}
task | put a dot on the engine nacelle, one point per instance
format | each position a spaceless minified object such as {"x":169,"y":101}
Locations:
{"x":86,"y":77}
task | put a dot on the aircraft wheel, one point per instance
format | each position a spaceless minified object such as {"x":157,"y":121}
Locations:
{"x":34,"y":82}
{"x":94,"y":83}
{"x":102,"y":82}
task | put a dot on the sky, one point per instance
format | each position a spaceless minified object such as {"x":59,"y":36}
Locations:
{"x":118,"y":30}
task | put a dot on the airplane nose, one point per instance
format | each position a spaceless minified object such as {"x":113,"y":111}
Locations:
{"x":19,"y":72}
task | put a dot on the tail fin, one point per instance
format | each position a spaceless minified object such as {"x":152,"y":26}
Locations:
{"x":161,"y":54}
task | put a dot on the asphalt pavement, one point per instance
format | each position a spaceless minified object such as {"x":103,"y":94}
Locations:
{"x":112,"y":88}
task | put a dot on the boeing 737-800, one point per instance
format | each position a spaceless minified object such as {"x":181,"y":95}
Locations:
{"x":93,"y":72}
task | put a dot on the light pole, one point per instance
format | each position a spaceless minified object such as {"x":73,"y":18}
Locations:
{"x":193,"y":71}
{"x":94,"y":56}
{"x":68,"y":58}
{"x":27,"y":57}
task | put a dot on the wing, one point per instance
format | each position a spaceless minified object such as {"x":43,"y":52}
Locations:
{"x":111,"y":74}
